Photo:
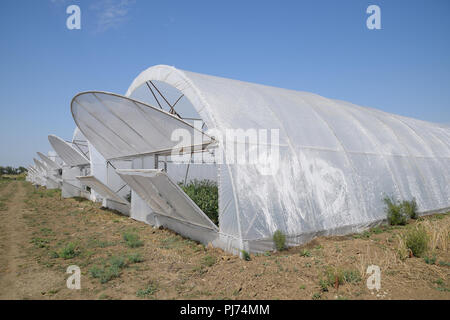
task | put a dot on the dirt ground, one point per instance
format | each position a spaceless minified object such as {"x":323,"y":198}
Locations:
{"x":42,"y":234}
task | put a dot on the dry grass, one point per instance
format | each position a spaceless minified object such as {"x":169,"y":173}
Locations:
{"x":183,"y":269}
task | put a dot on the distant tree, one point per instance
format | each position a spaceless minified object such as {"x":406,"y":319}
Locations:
{"x":10,"y":170}
{"x":21,"y":170}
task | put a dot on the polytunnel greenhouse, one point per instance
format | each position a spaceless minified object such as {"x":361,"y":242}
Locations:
{"x":336,"y":161}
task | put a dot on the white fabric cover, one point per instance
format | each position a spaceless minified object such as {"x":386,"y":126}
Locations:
{"x":50,"y":163}
{"x":337,"y":160}
{"x":101,"y":188}
{"x":67,"y":153}
{"x":165,"y":197}
{"x":119,"y":127}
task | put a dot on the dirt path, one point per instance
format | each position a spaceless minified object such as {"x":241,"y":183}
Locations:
{"x":13,"y":237}
{"x":21,"y":277}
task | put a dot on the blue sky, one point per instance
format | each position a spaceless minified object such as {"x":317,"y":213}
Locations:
{"x":317,"y":46}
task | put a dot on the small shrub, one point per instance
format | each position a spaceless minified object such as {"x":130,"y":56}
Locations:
{"x":69,"y":251}
{"x":417,"y":241}
{"x":245,"y":255}
{"x":132,"y":240}
{"x":395,"y":214}
{"x":280,"y":240}
{"x":410,"y":208}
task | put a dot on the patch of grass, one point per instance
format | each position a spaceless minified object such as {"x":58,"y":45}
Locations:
{"x":316,"y":296}
{"x":205,"y":194}
{"x":170,"y":242}
{"x":305,"y":253}
{"x":150,"y":290}
{"x":135,"y":258}
{"x":69,"y":251}
{"x":132,"y":240}
{"x":40,"y":243}
{"x":97,"y":243}
{"x":110,"y":270}
{"x":209,"y":261}
{"x":279,"y":239}
{"x":336,"y":276}
{"x":417,"y":241}
{"x":430,"y":260}
{"x":444,"y":264}
{"x":351,"y":276}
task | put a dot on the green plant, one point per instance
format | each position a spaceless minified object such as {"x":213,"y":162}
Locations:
{"x":305,"y":253}
{"x":351,"y":276}
{"x":117,"y":262}
{"x":208,"y":261}
{"x":245,"y":255}
{"x":395,"y":214}
{"x":69,"y":251}
{"x":317,"y":296}
{"x":430,"y":260}
{"x":279,"y":240}
{"x":410,"y":208}
{"x":110,"y":270}
{"x":417,"y":241}
{"x":132,"y":240}
{"x":205,"y":194}
{"x":40,"y":243}
{"x":135,"y":258}
{"x":149,"y":291}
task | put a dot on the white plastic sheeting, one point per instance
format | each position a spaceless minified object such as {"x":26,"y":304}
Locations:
{"x":337,"y":160}
{"x":50,"y":163}
{"x":110,"y":198}
{"x":119,"y":127}
{"x":165,"y":197}
{"x":67,"y":153}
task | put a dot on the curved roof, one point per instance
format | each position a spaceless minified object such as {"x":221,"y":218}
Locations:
{"x":120,"y":127}
{"x":50,"y":163}
{"x":67,"y":153}
{"x":337,"y":159}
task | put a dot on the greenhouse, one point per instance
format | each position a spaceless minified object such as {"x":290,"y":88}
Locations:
{"x":336,"y":161}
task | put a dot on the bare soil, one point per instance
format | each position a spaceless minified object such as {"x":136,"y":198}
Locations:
{"x":36,"y":225}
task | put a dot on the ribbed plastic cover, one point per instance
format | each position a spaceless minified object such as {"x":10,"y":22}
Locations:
{"x":337,"y":160}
